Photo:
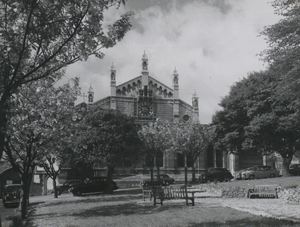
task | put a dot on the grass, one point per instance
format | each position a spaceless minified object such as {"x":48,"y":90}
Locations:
{"x":284,"y":182}
{"x":131,"y":210}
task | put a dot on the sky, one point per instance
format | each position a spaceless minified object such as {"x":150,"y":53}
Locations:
{"x":212,"y":44}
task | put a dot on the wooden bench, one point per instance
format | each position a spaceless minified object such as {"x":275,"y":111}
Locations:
{"x":147,"y":191}
{"x":264,"y":191}
{"x":172,"y":192}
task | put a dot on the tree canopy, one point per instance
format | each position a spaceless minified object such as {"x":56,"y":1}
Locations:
{"x":108,"y":136}
{"x":258,"y":115}
{"x":40,"y":117}
{"x":39,"y":39}
{"x":190,"y":139}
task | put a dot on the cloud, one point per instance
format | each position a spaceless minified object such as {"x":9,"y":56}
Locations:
{"x":212,"y":44}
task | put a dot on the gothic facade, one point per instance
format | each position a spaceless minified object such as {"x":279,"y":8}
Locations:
{"x":147,"y":99}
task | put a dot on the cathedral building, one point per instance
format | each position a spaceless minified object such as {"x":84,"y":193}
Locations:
{"x":147,"y":100}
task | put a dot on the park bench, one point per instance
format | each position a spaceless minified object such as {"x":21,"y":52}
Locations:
{"x":264,"y":191}
{"x":172,"y":192}
{"x":147,"y":191}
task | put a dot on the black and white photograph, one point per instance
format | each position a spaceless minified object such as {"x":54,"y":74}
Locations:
{"x":158,"y":113}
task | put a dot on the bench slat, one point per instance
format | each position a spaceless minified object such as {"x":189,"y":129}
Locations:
{"x":264,"y":191}
{"x":172,"y":193}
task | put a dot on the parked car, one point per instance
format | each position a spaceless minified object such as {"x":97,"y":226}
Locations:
{"x":215,"y":174}
{"x":11,"y":195}
{"x":259,"y":172}
{"x":295,"y":169}
{"x":238,"y":174}
{"x":93,"y":185}
{"x":65,"y":187}
{"x":164,"y":180}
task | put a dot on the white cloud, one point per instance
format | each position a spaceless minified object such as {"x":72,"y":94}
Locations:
{"x":211,"y":47}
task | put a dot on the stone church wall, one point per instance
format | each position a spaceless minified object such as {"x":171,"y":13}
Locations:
{"x":165,"y":111}
{"x":126,"y":107}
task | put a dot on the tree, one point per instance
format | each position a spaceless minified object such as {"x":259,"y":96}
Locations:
{"x":54,"y":158}
{"x":108,"y":136}
{"x":38,"y":39}
{"x":283,"y":38}
{"x":156,"y":139}
{"x":191,"y":139}
{"x":283,"y":56}
{"x":41,"y":114}
{"x":230,"y":122}
{"x":270,"y":113}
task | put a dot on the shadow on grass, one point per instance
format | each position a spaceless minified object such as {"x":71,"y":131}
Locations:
{"x":124,"y":209}
{"x":105,"y":211}
{"x":136,"y":209}
{"x":94,"y":198}
{"x":247,"y":222}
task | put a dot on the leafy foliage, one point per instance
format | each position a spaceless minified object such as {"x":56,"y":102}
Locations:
{"x":191,"y":139}
{"x":38,"y":126}
{"x":38,"y":39}
{"x":108,"y":136}
{"x":260,"y":114}
{"x":156,"y":138}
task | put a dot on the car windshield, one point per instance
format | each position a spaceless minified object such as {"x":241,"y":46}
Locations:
{"x":12,"y":188}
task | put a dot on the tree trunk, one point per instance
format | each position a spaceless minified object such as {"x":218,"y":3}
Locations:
{"x":110,"y":169}
{"x":193,"y":173}
{"x":286,"y":161}
{"x":54,"y":187}
{"x":151,"y":173}
{"x":3,"y":121}
{"x":158,"y":174}
{"x":25,"y":194}
{"x":185,"y":171}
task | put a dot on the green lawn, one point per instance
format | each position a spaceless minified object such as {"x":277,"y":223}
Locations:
{"x":131,"y":210}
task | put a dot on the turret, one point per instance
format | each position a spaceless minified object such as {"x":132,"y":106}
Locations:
{"x":145,"y":72}
{"x":113,"y":80}
{"x":91,"y":94}
{"x":195,"y":107}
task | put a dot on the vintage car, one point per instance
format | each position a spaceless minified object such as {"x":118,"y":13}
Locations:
{"x":259,"y":172}
{"x":215,"y":174}
{"x":11,"y":195}
{"x":67,"y":185}
{"x":92,"y":186}
{"x":164,"y":180}
{"x":295,"y":169}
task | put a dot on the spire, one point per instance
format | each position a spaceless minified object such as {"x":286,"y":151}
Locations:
{"x":113,"y":72}
{"x":195,"y":107}
{"x":90,"y":94}
{"x":145,"y":63}
{"x":91,"y":88}
{"x":175,"y":77}
{"x":145,"y":56}
{"x":113,"y":68}
{"x":175,"y":72}
{"x":113,"y":81}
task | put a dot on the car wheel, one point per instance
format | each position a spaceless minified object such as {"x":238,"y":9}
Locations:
{"x":226,"y":179}
{"x":5,"y":205}
{"x":251,"y":177}
{"x":272,"y":175}
{"x":166,"y":183}
{"x":147,"y":184}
